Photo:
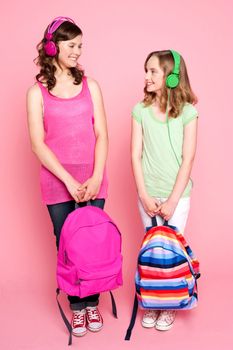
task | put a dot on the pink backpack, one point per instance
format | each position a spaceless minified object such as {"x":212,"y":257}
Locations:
{"x":89,"y":257}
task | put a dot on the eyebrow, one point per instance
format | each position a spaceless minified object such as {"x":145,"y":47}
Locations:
{"x":73,"y":43}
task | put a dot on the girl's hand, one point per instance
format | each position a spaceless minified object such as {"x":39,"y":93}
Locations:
{"x":91,"y":188}
{"x":73,"y":188}
{"x":150,"y":205}
{"x":166,"y":209}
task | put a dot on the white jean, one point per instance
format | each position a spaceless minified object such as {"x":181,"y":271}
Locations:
{"x":178,"y":219}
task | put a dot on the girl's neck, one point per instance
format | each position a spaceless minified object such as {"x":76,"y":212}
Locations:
{"x":157,"y":101}
{"x":62,"y":73}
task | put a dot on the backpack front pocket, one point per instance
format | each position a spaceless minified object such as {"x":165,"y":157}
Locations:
{"x":99,"y":277}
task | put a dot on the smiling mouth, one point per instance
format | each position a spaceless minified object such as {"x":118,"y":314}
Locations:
{"x":73,"y":58}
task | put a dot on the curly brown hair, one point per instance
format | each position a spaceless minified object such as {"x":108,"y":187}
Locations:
{"x":179,"y":95}
{"x":66,"y":31}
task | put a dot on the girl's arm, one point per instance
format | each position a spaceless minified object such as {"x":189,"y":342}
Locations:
{"x":188,"y":153}
{"x":149,"y":204}
{"x":92,"y":185}
{"x":42,"y":151}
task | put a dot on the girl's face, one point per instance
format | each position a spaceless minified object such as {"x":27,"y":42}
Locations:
{"x":70,"y":51}
{"x":154,"y":77}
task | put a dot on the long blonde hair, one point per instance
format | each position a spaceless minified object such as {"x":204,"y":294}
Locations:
{"x":180,"y":95}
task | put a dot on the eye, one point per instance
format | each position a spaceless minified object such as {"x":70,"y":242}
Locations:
{"x":71,"y":45}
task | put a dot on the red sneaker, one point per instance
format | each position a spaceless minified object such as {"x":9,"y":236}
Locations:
{"x":79,"y":323}
{"x":94,"y":319}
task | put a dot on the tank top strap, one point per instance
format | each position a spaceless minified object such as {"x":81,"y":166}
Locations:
{"x":85,"y":89}
{"x":85,"y":85}
{"x":44,"y":90}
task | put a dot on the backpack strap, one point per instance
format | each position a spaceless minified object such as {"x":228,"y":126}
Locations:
{"x":114,"y":309}
{"x":154,"y":222}
{"x":195,"y":294}
{"x":67,"y":323}
{"x":133,"y":318}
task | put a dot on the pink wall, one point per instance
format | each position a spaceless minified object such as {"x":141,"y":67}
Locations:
{"x":117,"y":38}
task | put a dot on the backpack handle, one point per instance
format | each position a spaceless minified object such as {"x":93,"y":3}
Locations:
{"x":154,"y":222}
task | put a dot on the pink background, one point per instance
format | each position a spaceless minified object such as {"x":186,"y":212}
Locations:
{"x":117,"y":38}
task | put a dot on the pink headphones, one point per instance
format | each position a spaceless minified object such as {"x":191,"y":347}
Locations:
{"x":50,"y":47}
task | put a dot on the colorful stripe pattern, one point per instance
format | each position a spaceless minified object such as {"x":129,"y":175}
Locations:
{"x":167,"y":271}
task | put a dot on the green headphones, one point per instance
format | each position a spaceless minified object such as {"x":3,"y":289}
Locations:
{"x":173,"y":79}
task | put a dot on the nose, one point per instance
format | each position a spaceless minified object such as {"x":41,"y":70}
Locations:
{"x":77,"y":50}
{"x":147,"y":75}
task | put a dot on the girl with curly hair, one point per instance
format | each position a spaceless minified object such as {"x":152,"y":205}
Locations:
{"x":164,"y":132}
{"x":68,"y":133}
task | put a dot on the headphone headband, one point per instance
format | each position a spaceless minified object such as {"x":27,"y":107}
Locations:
{"x":57,"y":22}
{"x":176,"y":57}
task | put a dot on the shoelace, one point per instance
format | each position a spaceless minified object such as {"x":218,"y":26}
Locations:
{"x":93,"y":314}
{"x":149,"y":313}
{"x":167,"y":315}
{"x":78,"y":318}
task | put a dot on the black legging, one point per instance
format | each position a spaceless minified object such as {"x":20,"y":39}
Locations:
{"x":58,"y":213}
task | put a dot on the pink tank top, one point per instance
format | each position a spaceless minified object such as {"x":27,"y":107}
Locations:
{"x":69,"y":133}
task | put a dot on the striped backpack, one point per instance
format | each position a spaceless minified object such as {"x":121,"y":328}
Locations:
{"x":166,"y":272}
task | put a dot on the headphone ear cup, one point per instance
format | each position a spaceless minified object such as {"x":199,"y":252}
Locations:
{"x":50,"y":48}
{"x":172,"y":80}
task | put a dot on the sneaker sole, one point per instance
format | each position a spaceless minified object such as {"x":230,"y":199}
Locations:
{"x":94,"y":329}
{"x":79,"y":334}
{"x":163,"y":328}
{"x":148,"y":325}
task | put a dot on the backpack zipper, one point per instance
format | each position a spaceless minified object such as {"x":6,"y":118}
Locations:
{"x":65,"y":257}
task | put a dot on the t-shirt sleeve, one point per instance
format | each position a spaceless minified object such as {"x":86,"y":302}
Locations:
{"x":189,"y":113}
{"x":136,"y":113}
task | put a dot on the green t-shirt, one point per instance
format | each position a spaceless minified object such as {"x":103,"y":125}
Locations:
{"x":159,"y":163}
